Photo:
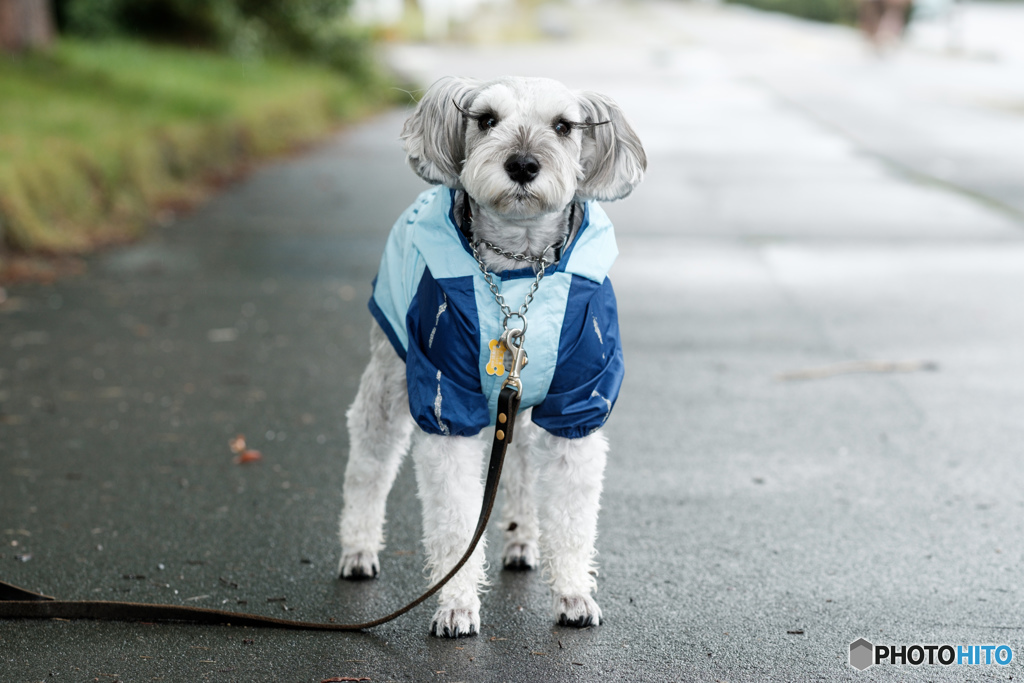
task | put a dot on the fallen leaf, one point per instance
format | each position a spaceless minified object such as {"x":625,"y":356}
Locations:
{"x":248,"y":455}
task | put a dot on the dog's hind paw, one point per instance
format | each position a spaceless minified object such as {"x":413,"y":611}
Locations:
{"x":577,"y":611}
{"x":451,"y":622}
{"x":520,"y":556}
{"x":357,"y":566}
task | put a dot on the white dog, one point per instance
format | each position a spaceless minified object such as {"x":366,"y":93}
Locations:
{"x":519,"y":163}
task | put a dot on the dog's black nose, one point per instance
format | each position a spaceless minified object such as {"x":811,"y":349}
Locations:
{"x":522,"y":168}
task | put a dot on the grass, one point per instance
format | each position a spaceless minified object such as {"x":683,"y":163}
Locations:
{"x":836,"y":11}
{"x":95,"y":135}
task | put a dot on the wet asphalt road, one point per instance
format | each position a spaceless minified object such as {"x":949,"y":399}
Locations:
{"x":754,"y":523}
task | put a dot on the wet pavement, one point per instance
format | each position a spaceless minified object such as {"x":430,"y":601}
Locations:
{"x":764,"y":506}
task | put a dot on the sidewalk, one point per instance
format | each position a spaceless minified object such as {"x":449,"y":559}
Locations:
{"x":763,"y":506}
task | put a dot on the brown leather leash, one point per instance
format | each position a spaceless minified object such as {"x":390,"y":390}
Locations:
{"x":18,"y":603}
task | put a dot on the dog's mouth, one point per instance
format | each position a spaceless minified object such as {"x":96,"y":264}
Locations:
{"x":523,"y":195}
{"x":521,"y":201}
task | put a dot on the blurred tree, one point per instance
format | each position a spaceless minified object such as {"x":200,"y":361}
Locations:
{"x":25,"y":25}
{"x":839,"y":11}
{"x":311,"y":29}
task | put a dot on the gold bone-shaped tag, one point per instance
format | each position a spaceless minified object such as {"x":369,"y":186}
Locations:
{"x":496,"y":366}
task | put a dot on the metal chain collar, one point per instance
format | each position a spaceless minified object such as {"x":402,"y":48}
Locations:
{"x":518,"y":257}
{"x":538,"y":260}
{"x":505,"y":309}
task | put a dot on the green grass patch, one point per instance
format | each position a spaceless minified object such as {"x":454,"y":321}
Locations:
{"x":93,"y":135}
{"x":835,"y":11}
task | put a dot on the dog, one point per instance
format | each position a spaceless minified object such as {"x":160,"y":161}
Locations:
{"x":519,"y":165}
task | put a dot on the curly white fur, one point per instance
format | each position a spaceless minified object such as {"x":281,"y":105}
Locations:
{"x":379,"y":427}
{"x":448,"y":472}
{"x":552,"y":485}
{"x":570,"y":475}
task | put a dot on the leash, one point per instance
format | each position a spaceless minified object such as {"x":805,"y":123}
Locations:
{"x":18,"y":603}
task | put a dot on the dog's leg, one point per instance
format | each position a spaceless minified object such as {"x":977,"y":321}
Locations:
{"x":448,"y":470}
{"x":519,"y":514}
{"x":570,"y":474}
{"x":379,"y":427}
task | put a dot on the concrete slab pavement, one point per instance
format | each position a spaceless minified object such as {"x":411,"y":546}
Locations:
{"x":947,"y":116}
{"x":752,"y":526}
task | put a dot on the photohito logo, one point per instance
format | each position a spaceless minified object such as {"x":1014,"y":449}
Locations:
{"x":863,"y":654}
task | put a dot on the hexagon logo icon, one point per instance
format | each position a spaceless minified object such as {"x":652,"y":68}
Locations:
{"x":862,"y":654}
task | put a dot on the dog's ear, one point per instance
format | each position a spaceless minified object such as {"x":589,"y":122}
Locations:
{"x":435,"y":134}
{"x":613,"y":159}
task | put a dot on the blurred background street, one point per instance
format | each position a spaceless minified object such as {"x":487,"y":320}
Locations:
{"x":820,"y":434}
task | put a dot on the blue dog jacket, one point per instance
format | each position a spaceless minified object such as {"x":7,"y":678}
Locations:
{"x":432,"y":301}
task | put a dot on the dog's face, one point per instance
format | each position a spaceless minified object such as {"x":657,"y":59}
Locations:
{"x":523,"y":147}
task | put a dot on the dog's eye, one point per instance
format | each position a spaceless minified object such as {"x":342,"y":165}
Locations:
{"x":487,"y":121}
{"x":563,"y":128}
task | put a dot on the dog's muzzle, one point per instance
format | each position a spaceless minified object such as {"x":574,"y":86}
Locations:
{"x":522,"y":168}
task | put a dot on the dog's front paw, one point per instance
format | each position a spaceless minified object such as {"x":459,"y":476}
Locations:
{"x":358,"y":565}
{"x":450,"y":622}
{"x":578,"y":611}
{"x":520,"y":556}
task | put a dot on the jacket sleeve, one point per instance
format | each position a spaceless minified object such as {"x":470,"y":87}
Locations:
{"x":589,"y":369}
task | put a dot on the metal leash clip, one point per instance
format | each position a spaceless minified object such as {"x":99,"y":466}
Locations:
{"x":519,"y":358}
